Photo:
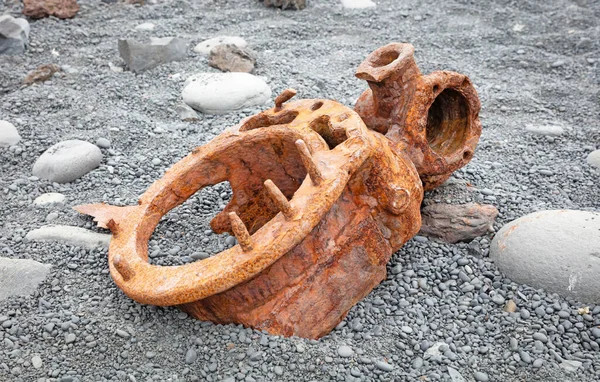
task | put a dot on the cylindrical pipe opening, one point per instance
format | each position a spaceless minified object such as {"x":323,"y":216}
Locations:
{"x":448,"y":123}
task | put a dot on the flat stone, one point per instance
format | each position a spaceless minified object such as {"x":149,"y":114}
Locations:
{"x":220,"y":93}
{"x":232,"y":58}
{"x":50,"y":198}
{"x":63,"y":9}
{"x":14,"y":35}
{"x":206,"y":46}
{"x":9,"y":136}
{"x":554,"y":130}
{"x":454,"y":223}
{"x":186,"y":113}
{"x":436,"y":350}
{"x":76,"y":236}
{"x":570,"y":365}
{"x":358,"y":4}
{"x":140,"y":57}
{"x":555,"y":250}
{"x":20,"y":277}
{"x":593,"y":158}
{"x":67,"y":160}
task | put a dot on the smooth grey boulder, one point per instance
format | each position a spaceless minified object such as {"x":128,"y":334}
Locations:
{"x":14,"y":35}
{"x":67,"y":160}
{"x":593,"y":158}
{"x":9,"y":135}
{"x":557,"y":250}
{"x":139,"y":57}
{"x":76,"y":236}
{"x":20,"y":277}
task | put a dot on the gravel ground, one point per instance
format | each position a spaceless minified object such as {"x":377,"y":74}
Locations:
{"x":533,"y":63}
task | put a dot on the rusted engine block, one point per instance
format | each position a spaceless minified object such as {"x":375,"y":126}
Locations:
{"x":322,"y":197}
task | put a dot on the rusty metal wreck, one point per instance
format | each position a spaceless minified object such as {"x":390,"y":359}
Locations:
{"x":323,"y":195}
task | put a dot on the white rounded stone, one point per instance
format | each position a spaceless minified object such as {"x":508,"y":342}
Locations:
{"x":9,"y":136}
{"x":358,"y":4}
{"x":50,"y":198}
{"x":145,"y":27}
{"x":76,"y":236}
{"x":556,"y":250}
{"x":593,"y":158}
{"x":206,"y":46}
{"x":219,"y":93}
{"x":554,"y":130}
{"x":67,"y":160}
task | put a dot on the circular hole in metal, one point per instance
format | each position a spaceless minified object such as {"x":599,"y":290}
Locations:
{"x":385,"y":58}
{"x":448,"y":123}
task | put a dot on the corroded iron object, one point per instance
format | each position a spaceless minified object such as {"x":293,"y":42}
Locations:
{"x":320,"y":202}
{"x":434,"y":118}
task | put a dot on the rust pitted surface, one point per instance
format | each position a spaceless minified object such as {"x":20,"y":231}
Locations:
{"x":434,"y":117}
{"x":320,"y":202}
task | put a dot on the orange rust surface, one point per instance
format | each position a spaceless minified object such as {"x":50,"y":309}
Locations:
{"x":320,"y":202}
{"x":434,"y":118}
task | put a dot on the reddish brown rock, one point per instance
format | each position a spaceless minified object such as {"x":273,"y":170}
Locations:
{"x":232,"y":58}
{"x":41,"y":74}
{"x":453,"y":223}
{"x":63,"y":9}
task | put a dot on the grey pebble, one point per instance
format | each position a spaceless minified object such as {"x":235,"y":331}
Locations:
{"x":70,"y":338}
{"x":103,"y":143}
{"x":525,"y":357}
{"x":540,"y":337}
{"x":384,"y":366}
{"x":122,"y":333}
{"x":345,"y":351}
{"x":417,"y":363}
{"x":191,"y":356}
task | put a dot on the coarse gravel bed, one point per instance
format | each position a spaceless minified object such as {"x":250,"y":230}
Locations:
{"x":533,"y":63}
